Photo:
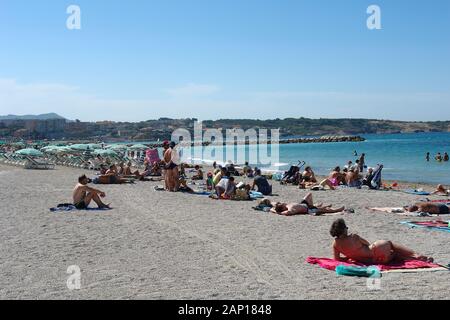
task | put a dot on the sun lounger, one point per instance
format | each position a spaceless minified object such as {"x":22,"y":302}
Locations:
{"x":38,"y":165}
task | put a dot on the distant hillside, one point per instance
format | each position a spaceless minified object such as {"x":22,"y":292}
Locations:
{"x":45,"y":116}
{"x":152,"y":130}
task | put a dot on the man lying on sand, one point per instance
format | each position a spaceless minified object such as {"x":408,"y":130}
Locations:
{"x":83,"y":195}
{"x":429,"y":207}
{"x":112,"y":177}
{"x":305,"y":207}
{"x":358,"y":249}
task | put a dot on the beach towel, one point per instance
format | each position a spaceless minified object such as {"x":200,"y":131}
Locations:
{"x":400,"y":211}
{"x":431,"y":225}
{"x":331,"y":264}
{"x":198,"y":192}
{"x":256,"y":195}
{"x":70,"y":207}
{"x":416,"y":192}
{"x":152,"y":156}
{"x":443,"y":201}
{"x":261,"y":207}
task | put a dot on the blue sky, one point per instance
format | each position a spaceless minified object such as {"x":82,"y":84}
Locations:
{"x":137,"y":60}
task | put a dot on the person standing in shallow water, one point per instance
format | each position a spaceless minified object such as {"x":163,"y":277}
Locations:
{"x":428,"y":157}
{"x":362,"y":162}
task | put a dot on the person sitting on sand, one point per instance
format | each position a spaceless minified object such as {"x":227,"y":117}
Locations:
{"x":121,"y":168}
{"x":353,"y":247}
{"x":183,"y":187}
{"x":230,"y":190}
{"x":246,"y":168}
{"x":441,"y":190}
{"x":305,"y":207}
{"x":103,"y":169}
{"x":111,"y":177}
{"x":367,"y":181}
{"x":156,"y":169}
{"x":198,"y":173}
{"x":261,"y":182}
{"x":333,"y":180}
{"x":83,"y":195}
{"x":429,"y":207}
{"x":352,"y":178}
{"x":112,"y":170}
{"x":348,"y":165}
{"x":308,"y":178}
{"x":222,"y":185}
{"x":218,"y":176}
{"x":231,"y":169}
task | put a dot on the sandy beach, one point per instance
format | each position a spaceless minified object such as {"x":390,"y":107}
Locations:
{"x":161,"y":245}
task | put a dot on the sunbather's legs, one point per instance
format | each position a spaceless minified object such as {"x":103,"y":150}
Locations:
{"x":167,"y":179}
{"x":94,"y":196}
{"x":328,"y":183}
{"x":404,"y":253}
{"x":322,"y":210}
{"x":176,"y":179}
{"x":309,"y":200}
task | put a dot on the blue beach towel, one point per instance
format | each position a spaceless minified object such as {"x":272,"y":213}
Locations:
{"x":256,"y":195}
{"x":416,"y":192}
{"x":430,"y":226}
{"x":71,"y":207}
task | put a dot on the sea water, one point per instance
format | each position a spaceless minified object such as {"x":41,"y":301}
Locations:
{"x":403,"y":156}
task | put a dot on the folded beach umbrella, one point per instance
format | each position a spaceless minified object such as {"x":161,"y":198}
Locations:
{"x":118,"y":147}
{"x":105,"y":152}
{"x":30,"y":152}
{"x":85,"y":147}
{"x":138,"y":147}
{"x":19,"y":144}
{"x":56,"y":149}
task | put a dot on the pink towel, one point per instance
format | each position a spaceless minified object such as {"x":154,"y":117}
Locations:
{"x":331,"y":264}
{"x":152,"y":156}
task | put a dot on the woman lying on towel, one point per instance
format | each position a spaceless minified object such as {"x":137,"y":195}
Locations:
{"x":358,"y":249}
{"x":305,"y":207}
{"x":442,"y":191}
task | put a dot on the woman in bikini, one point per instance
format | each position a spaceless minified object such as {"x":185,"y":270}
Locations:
{"x":333,"y":180}
{"x":352,"y":246}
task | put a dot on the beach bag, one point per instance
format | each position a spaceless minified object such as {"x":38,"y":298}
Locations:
{"x":241,"y":194}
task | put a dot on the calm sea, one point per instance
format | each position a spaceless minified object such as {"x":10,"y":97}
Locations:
{"x":403,"y":155}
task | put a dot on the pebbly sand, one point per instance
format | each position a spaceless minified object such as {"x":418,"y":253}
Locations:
{"x":160,"y":245}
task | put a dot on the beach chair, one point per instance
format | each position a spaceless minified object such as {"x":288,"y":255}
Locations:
{"x":152,"y":156}
{"x":376,"y":180}
{"x":35,"y":164}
